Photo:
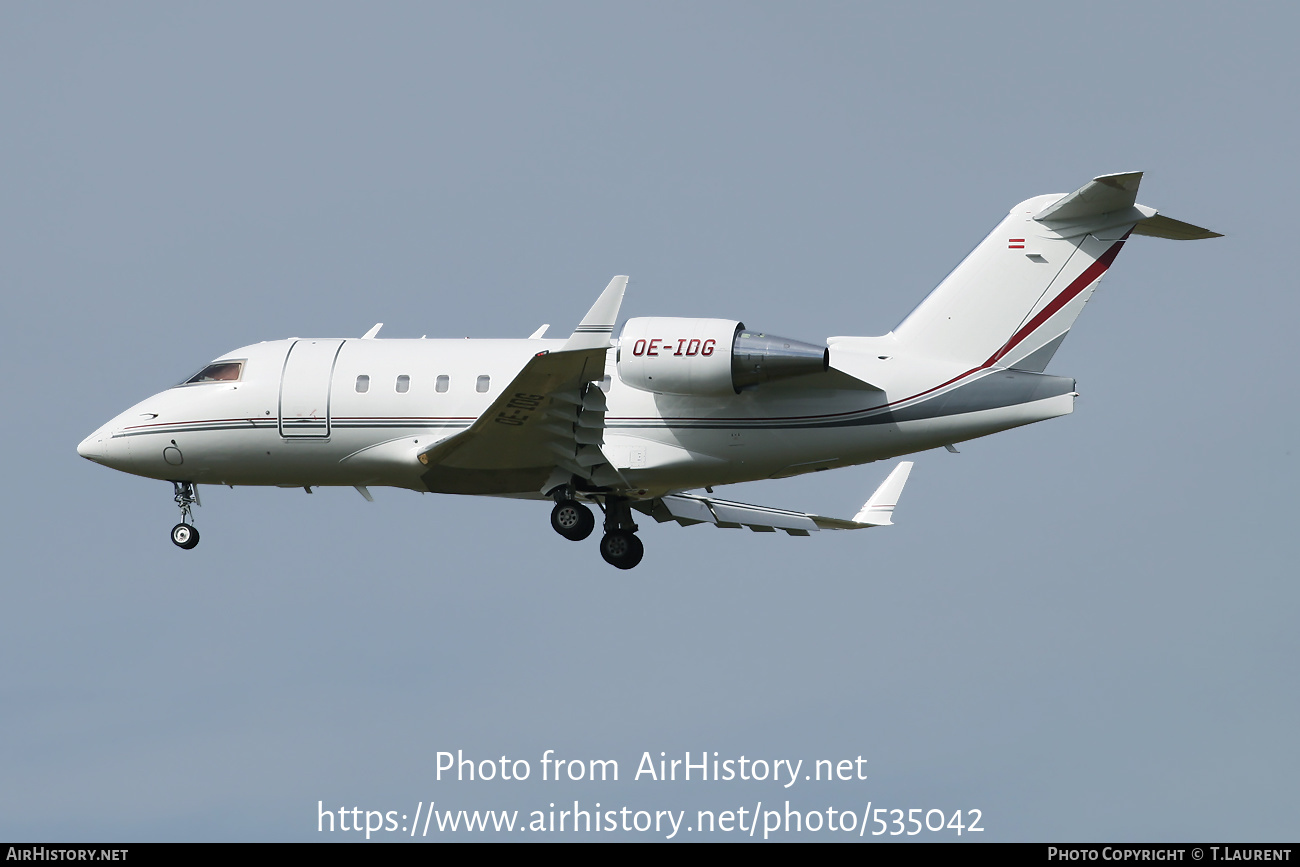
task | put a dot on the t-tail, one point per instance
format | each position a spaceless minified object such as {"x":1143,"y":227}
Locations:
{"x":1012,"y":301}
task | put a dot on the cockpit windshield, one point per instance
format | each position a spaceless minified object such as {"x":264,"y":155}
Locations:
{"x":220,"y":371}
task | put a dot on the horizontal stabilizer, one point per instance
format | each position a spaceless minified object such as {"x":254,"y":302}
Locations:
{"x":1101,"y":195}
{"x":688,"y":509}
{"x":1174,"y":230}
{"x":1115,"y":195}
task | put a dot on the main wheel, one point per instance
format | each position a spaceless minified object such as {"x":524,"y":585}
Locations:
{"x":185,"y":536}
{"x":621,"y":549}
{"x":572,"y":520}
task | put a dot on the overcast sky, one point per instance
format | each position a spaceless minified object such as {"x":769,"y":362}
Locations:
{"x":1083,"y":629}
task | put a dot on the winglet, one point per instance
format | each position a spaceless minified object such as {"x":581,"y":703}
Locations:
{"x":878,"y":510}
{"x":596,"y":327}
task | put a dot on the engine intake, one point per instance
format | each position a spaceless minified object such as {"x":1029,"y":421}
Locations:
{"x":709,"y":356}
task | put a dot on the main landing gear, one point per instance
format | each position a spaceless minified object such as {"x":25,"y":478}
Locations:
{"x":621,"y":549}
{"x":572,"y":520}
{"x":185,"y":534}
{"x":620,"y":546}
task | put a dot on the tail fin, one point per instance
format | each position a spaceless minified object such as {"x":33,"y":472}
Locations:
{"x":1011,"y":302}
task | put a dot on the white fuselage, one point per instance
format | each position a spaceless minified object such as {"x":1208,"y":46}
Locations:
{"x":675,"y":404}
{"x":359,"y":411}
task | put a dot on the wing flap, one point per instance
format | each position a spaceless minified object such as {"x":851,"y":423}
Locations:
{"x":761,"y":517}
{"x":545,"y":427}
{"x":527,"y":431}
{"x":688,"y":509}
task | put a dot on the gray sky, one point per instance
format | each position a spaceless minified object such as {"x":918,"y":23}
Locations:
{"x":1084,"y":628}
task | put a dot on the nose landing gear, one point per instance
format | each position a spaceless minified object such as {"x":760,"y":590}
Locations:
{"x":185,"y":534}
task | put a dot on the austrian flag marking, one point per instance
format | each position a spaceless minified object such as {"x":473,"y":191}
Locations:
{"x":1015,"y":243}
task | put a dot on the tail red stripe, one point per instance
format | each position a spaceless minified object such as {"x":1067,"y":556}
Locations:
{"x":1090,"y":275}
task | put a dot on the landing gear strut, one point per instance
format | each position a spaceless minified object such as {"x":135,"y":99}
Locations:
{"x":619,"y":546}
{"x":185,"y":534}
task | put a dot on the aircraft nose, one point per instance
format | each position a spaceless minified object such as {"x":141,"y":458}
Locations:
{"x":94,"y":447}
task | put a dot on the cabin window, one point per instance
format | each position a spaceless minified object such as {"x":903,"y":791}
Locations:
{"x":220,"y":371}
{"x":443,"y":381}
{"x":363,"y":384}
{"x":403,"y":384}
{"x":484,"y":383}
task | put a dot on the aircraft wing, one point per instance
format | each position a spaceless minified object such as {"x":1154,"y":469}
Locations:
{"x":546,"y":426}
{"x":688,"y":509}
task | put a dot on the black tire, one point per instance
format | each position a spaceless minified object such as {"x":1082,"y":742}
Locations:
{"x":572,"y":520}
{"x":621,"y":549}
{"x":185,"y":536}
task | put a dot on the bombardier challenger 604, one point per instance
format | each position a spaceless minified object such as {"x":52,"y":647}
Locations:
{"x":652,"y":421}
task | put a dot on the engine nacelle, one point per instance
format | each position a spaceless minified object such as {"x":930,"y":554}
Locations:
{"x":709,"y":356}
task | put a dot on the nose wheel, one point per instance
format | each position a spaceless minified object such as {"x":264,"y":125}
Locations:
{"x":185,"y":534}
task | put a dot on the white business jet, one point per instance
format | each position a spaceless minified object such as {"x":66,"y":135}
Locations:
{"x":670,"y":407}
